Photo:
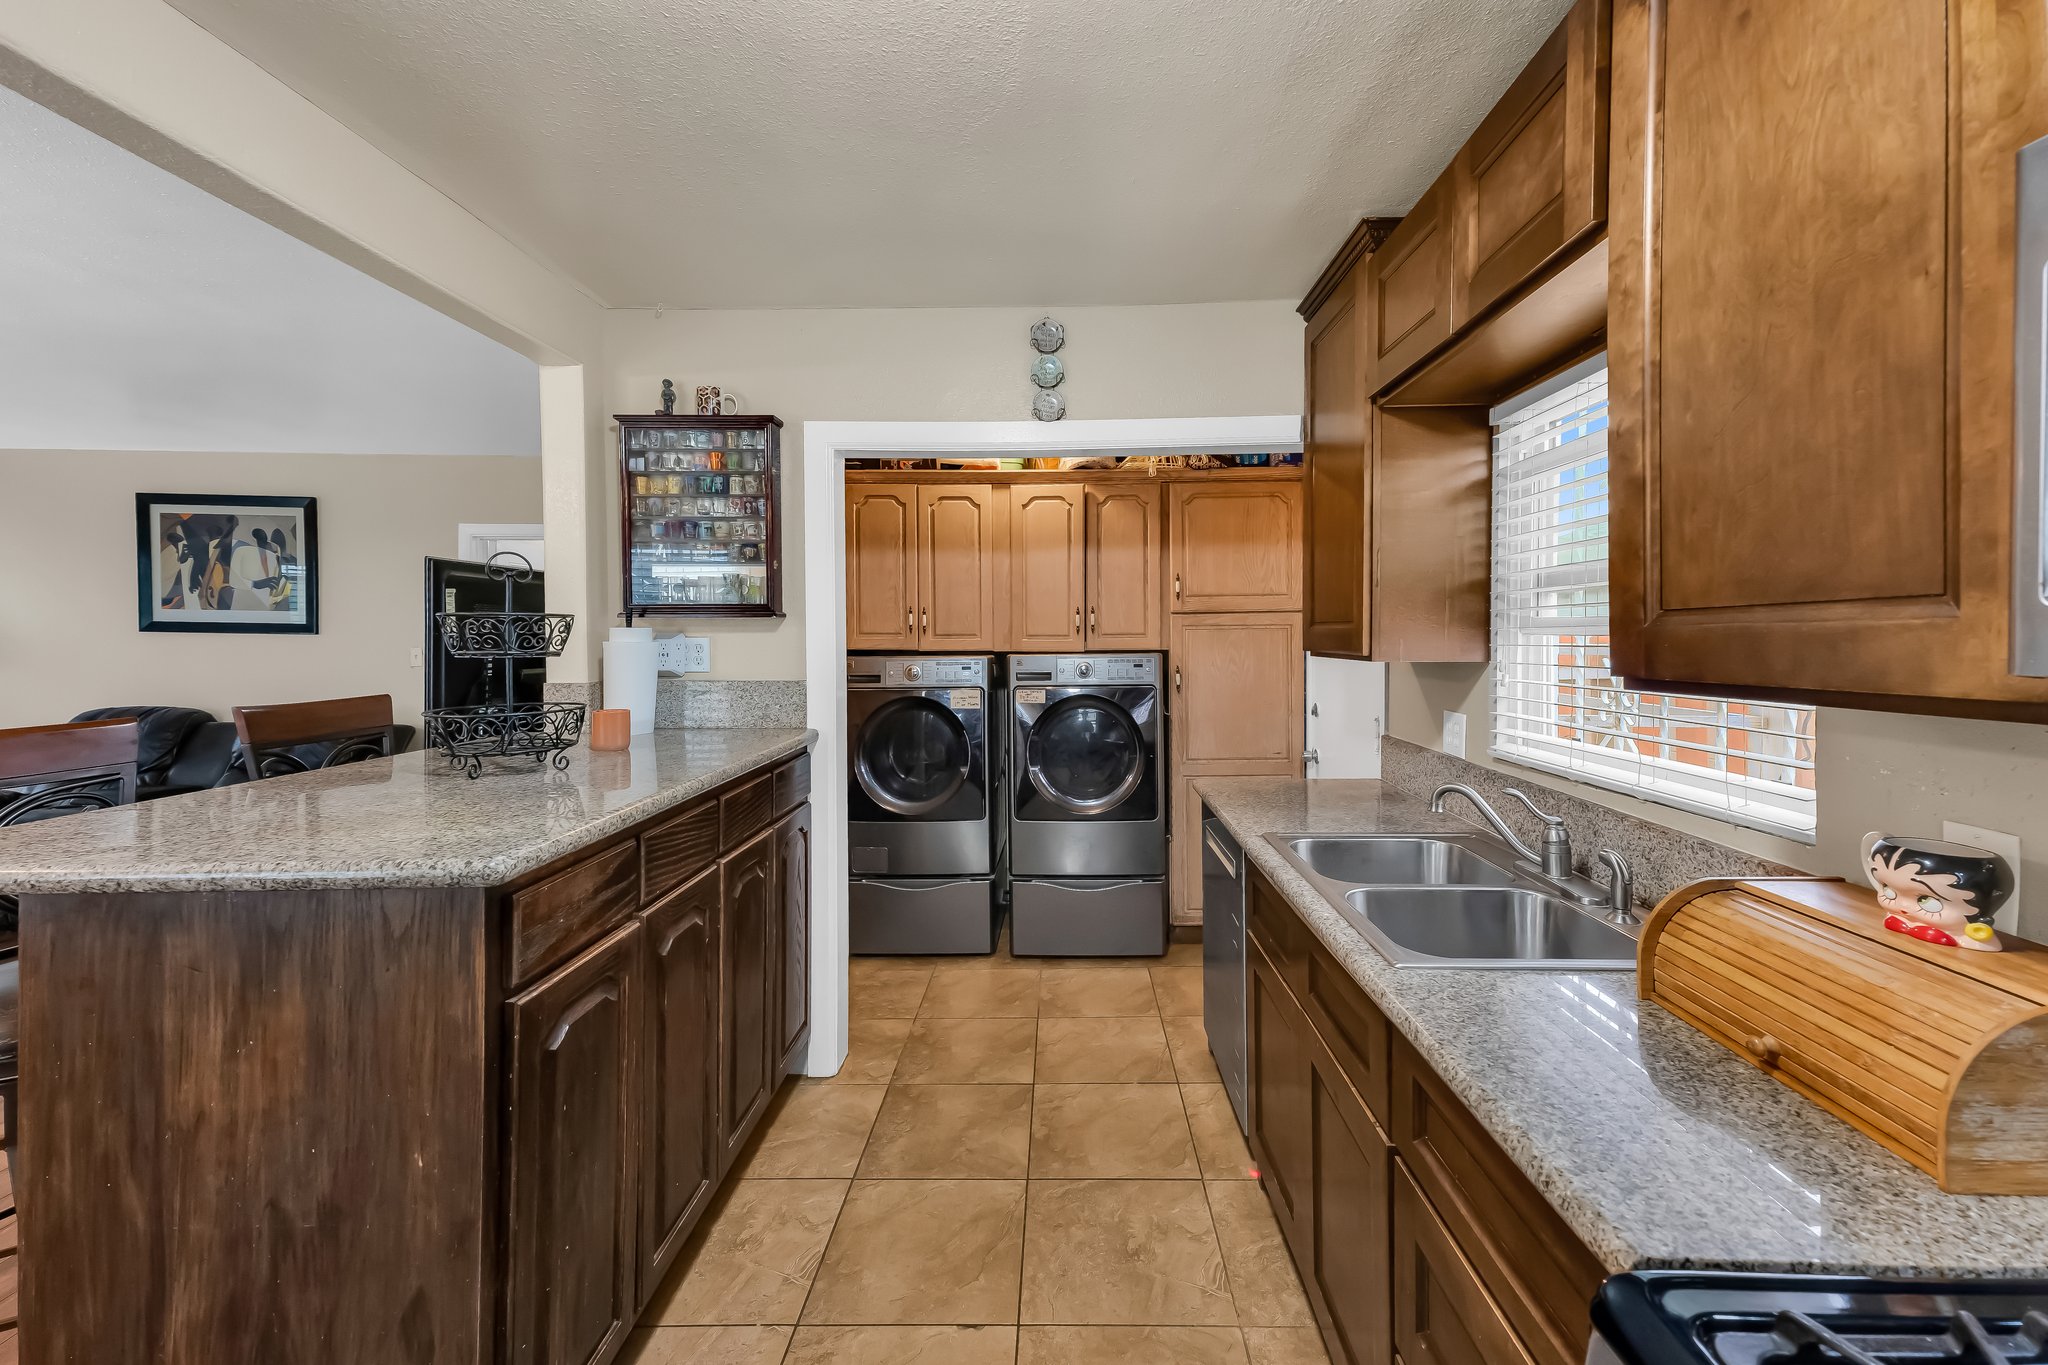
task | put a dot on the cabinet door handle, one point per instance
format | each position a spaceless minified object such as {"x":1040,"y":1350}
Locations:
{"x":925,"y":619}
{"x":910,"y":618}
{"x":1077,"y":620}
{"x":1176,"y":677}
{"x":1176,"y":587}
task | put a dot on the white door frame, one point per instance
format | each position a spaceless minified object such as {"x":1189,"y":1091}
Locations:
{"x":827,"y":446}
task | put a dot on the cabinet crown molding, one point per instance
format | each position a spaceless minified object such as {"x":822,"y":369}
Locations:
{"x":1366,"y":238}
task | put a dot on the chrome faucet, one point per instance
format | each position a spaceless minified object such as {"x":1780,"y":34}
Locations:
{"x":1492,"y":818}
{"x":1621,"y":889}
{"x":1555,"y":857}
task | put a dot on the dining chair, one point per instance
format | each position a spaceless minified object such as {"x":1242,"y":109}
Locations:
{"x":299,"y":737}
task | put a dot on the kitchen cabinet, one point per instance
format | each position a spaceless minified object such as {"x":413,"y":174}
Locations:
{"x":1442,"y":1315}
{"x":792,"y":956}
{"x":748,"y":989}
{"x":1048,"y":567}
{"x":1350,"y":1262}
{"x":1337,"y":470}
{"x":1125,"y":559}
{"x":1811,"y":348}
{"x":1238,"y":693}
{"x":1531,"y":181}
{"x":921,"y":567}
{"x":1433,"y":518}
{"x":1279,"y":1102}
{"x":1408,"y":287}
{"x":573,"y":1225}
{"x":1236,"y":547}
{"x":680,"y":1166}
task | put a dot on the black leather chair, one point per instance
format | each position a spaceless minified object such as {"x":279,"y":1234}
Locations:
{"x":184,"y":750}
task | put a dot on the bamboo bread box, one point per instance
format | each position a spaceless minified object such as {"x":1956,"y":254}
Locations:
{"x":1938,"y":1053}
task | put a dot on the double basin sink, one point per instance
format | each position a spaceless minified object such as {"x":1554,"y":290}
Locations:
{"x":1454,"y":900}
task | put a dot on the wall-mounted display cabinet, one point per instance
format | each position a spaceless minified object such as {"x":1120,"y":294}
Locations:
{"x":700,"y":515}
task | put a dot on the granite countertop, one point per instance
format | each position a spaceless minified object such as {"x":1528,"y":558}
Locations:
{"x":412,"y":820}
{"x":1659,"y":1147}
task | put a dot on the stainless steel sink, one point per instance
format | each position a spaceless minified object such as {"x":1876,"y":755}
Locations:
{"x":1398,"y":860}
{"x":1489,"y":927}
{"x":1455,"y":900}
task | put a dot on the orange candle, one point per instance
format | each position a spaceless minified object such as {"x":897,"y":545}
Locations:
{"x":611,"y":731}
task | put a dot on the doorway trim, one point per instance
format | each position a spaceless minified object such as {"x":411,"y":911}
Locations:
{"x":827,"y":447}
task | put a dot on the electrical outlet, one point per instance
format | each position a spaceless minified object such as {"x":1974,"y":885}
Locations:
{"x":1454,"y":733}
{"x":417,"y":658}
{"x":2006,"y":846}
{"x":683,"y":654}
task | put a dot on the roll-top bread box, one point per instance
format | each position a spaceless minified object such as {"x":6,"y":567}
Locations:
{"x":1940,"y":1054}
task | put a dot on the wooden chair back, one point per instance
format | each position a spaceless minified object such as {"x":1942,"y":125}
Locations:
{"x":85,"y":765}
{"x":356,"y":727}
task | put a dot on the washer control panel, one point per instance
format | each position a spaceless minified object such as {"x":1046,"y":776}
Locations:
{"x":934,"y":672}
{"x":1107,"y":668}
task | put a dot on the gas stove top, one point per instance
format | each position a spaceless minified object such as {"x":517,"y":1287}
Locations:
{"x":1686,"y":1318}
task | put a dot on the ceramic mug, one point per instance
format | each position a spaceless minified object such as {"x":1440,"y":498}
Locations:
{"x":611,"y":730}
{"x":712,"y":403}
{"x":1938,"y":892}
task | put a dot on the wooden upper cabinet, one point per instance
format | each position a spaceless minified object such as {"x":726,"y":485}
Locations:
{"x":1048,"y":568}
{"x":957,"y":570}
{"x":1126,"y":557}
{"x":1408,"y":287}
{"x":1236,"y":547}
{"x":1532,"y":180}
{"x":1238,"y":691}
{"x":881,"y":566}
{"x":1431,"y":579}
{"x":1811,"y":346}
{"x":1337,"y":468}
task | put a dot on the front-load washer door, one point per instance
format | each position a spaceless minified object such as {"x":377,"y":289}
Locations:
{"x":917,"y":756}
{"x":1088,"y":755}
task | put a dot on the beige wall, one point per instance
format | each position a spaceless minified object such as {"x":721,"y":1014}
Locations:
{"x":937,"y":364}
{"x":1874,"y":770}
{"x":68,"y":637}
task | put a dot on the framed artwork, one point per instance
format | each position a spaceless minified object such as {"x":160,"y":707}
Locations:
{"x":232,"y":565}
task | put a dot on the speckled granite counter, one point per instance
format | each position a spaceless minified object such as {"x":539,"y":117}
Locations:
{"x":406,"y":821}
{"x":1658,"y":1147}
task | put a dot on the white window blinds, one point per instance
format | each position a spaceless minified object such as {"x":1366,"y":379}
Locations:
{"x":1555,"y":705}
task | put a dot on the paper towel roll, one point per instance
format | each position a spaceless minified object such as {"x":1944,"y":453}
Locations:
{"x":630,"y":669}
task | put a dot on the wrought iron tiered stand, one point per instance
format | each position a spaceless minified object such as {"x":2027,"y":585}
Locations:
{"x":505,"y":729}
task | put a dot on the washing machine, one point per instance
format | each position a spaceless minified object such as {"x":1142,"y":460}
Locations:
{"x":922,"y":804}
{"x":1086,"y":804}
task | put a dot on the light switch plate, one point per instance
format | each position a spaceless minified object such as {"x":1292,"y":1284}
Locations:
{"x":2006,"y":846}
{"x":1454,"y":733}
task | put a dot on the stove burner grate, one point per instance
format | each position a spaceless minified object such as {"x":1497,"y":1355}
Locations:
{"x":1966,"y":1341}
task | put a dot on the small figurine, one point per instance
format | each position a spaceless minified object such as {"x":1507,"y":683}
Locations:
{"x":668,"y":398}
{"x":1940,"y":893}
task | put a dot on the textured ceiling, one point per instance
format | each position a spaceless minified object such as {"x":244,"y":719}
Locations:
{"x":790,"y":153}
{"x":138,"y":312}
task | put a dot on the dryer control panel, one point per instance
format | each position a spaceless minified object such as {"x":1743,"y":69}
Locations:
{"x":1107,"y":668}
{"x":926,"y":672}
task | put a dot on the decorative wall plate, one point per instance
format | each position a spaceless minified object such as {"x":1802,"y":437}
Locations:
{"x":1047,"y":336}
{"x":1047,"y":372}
{"x":1048,"y":406}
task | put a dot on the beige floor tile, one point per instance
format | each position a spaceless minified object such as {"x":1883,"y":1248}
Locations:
{"x":1218,"y":1142}
{"x":1188,"y":1041}
{"x":705,"y":1346}
{"x":1285,"y":1346}
{"x":1262,"y":1278}
{"x":755,"y":1262}
{"x":966,"y":1132}
{"x":815,"y":1131}
{"x":1008,"y":994}
{"x":923,"y":1251}
{"x":1182,"y":954}
{"x":885,"y":992}
{"x":1085,"y":1050}
{"x":1082,"y":991}
{"x":1097,"y":1132}
{"x":1129,"y":1346}
{"x":1179,"y":990}
{"x":872,"y":1046}
{"x":1141,"y":1252}
{"x":903,"y":1346}
{"x":964,"y":1051}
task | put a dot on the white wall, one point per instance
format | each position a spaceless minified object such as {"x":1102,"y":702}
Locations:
{"x":68,"y":637}
{"x":1874,"y":770}
{"x":957,"y":364}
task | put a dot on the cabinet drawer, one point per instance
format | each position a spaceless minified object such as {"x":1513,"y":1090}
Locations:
{"x":1442,"y":1312}
{"x":1529,"y":1259}
{"x":1273,"y":925}
{"x":792,"y":784}
{"x":746,"y":810}
{"x":554,"y":918}
{"x":676,"y":850}
{"x":1352,"y":1028}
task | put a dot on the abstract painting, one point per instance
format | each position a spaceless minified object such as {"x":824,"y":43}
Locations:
{"x":237,"y":565}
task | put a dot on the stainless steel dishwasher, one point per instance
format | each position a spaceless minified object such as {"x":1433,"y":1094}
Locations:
{"x":1223,"y":959}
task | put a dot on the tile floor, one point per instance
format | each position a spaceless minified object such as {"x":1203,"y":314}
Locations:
{"x":1023,"y":1162}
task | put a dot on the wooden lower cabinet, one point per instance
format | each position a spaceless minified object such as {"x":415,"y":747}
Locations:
{"x":1282,"y":1073}
{"x":680,"y":1161}
{"x":1349,"y":1188}
{"x":573,"y":1230}
{"x":749,"y":985}
{"x":1442,"y":1313}
{"x":793,"y":949}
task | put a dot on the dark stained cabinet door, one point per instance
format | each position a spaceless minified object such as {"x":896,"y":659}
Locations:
{"x":1352,"y":1269}
{"x":1281,"y":1075}
{"x":1442,"y":1314}
{"x":1337,"y":556}
{"x":791,"y":962}
{"x":679,"y":1169}
{"x":576,"y":1093}
{"x":746,"y":991}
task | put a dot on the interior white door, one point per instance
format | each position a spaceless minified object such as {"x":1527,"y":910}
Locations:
{"x":1347,"y":709}
{"x":478,"y":541}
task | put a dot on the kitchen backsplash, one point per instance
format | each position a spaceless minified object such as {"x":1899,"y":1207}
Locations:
{"x":715,"y":703}
{"x":1662,"y":858}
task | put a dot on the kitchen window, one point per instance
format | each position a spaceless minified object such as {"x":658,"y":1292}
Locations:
{"x":1556,"y":705}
